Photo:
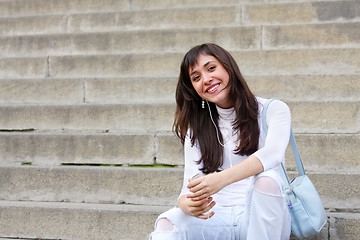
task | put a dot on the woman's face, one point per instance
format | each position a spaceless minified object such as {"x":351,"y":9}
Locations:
{"x":210,"y":80}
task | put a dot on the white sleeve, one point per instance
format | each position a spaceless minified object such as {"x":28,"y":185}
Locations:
{"x":278,"y":119}
{"x":192,"y":154}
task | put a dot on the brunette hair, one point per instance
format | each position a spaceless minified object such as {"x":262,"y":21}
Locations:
{"x":191,"y":116}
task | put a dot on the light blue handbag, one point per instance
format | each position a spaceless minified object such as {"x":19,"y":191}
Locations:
{"x":307,"y":212}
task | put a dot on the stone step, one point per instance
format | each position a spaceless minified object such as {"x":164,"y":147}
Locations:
{"x":45,"y":7}
{"x":320,"y":152}
{"x":180,"y":14}
{"x":177,"y":18}
{"x":48,"y":149}
{"x":91,"y":184}
{"x":169,"y":40}
{"x":149,"y":186}
{"x":42,"y":91}
{"x":343,"y":32}
{"x":307,"y":117}
{"x":10,"y":8}
{"x":123,"y":222}
{"x":337,"y":87}
{"x":300,"y":12}
{"x":286,"y":87}
{"x":129,"y":41}
{"x":312,"y":35}
{"x":127,"y":90}
{"x":121,"y":20}
{"x":33,"y":220}
{"x":273,"y":62}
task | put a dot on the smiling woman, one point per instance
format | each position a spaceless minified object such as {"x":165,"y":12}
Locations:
{"x":237,"y":192}
{"x":211,"y":81}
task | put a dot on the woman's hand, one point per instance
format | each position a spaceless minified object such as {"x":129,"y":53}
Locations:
{"x":197,"y":208}
{"x":205,"y":186}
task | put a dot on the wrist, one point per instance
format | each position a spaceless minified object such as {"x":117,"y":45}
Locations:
{"x":226,"y":177}
{"x":182,"y":204}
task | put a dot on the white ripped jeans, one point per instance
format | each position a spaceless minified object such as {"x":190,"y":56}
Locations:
{"x":264,"y":217}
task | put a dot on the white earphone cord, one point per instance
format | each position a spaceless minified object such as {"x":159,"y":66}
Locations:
{"x":232,"y":204}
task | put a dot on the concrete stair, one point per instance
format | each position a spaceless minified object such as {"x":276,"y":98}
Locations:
{"x":87,"y":105}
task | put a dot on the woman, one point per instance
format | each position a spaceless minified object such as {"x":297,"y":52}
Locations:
{"x":232,"y":188}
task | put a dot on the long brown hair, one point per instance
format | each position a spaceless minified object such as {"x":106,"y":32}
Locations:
{"x":190,"y":114}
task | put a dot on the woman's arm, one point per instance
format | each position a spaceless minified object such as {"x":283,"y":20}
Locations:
{"x":210,"y":184}
{"x":269,"y":156}
{"x":197,"y":208}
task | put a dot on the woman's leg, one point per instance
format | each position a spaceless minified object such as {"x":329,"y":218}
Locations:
{"x":165,"y":228}
{"x":164,"y":225}
{"x":268,"y":216}
{"x":176,"y":225}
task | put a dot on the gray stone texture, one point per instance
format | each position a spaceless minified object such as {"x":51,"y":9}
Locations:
{"x":87,"y":105}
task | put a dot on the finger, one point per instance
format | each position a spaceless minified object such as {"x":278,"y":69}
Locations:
{"x":204,"y":208}
{"x":209,"y":206}
{"x":198,"y":203}
{"x":198,"y":196}
{"x":206,"y":216}
{"x":195,"y":189}
{"x":193,"y":183}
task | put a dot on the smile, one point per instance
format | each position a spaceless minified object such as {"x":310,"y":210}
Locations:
{"x":213,"y":88}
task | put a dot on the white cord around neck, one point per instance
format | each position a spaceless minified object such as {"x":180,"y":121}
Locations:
{"x":229,"y":153}
{"x":212,"y":120}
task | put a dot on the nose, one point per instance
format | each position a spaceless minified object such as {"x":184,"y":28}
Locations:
{"x":207,"y":78}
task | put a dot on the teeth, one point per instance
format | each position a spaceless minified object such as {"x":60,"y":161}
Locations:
{"x":213,"y":88}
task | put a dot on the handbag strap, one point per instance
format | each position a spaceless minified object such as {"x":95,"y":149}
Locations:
{"x":299,"y":164}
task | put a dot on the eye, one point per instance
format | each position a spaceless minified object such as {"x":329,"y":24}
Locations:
{"x":196,"y":78}
{"x":211,"y":68}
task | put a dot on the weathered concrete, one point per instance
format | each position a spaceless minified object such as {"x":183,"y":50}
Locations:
{"x":127,"y":90}
{"x":24,"y":67}
{"x":99,"y":221}
{"x":49,"y":149}
{"x":131,"y":185}
{"x":129,"y":41}
{"x":287,"y":88}
{"x":307,"y":117}
{"x":149,"y":186}
{"x":33,"y":25}
{"x":315,"y":87}
{"x":344,"y":226}
{"x":279,"y":62}
{"x":156,"y":19}
{"x":169,"y":4}
{"x":120,"y":117}
{"x":77,"y":221}
{"x":131,"y":90}
{"x":300,"y":12}
{"x":40,"y":7}
{"x":41,"y":91}
{"x":319,"y":152}
{"x":312,"y":36}
{"x":91,"y":83}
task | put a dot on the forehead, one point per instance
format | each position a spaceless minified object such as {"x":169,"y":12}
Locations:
{"x":201,"y":61}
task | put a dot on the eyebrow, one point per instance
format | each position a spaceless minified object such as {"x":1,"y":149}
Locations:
{"x":207,"y":63}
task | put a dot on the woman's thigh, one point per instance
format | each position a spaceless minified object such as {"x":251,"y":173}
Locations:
{"x":225,"y":222}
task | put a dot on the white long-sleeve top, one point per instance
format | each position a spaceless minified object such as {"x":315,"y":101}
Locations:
{"x":271,"y":150}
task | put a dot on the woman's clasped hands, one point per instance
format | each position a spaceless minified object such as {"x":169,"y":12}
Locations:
{"x":199,"y":202}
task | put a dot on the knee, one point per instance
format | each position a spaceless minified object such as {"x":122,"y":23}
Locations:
{"x":267,"y":185}
{"x":164,"y":225}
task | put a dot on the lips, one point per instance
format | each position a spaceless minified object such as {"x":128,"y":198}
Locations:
{"x":212,"y":88}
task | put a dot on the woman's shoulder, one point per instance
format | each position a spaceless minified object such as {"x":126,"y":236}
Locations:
{"x":275,"y":106}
